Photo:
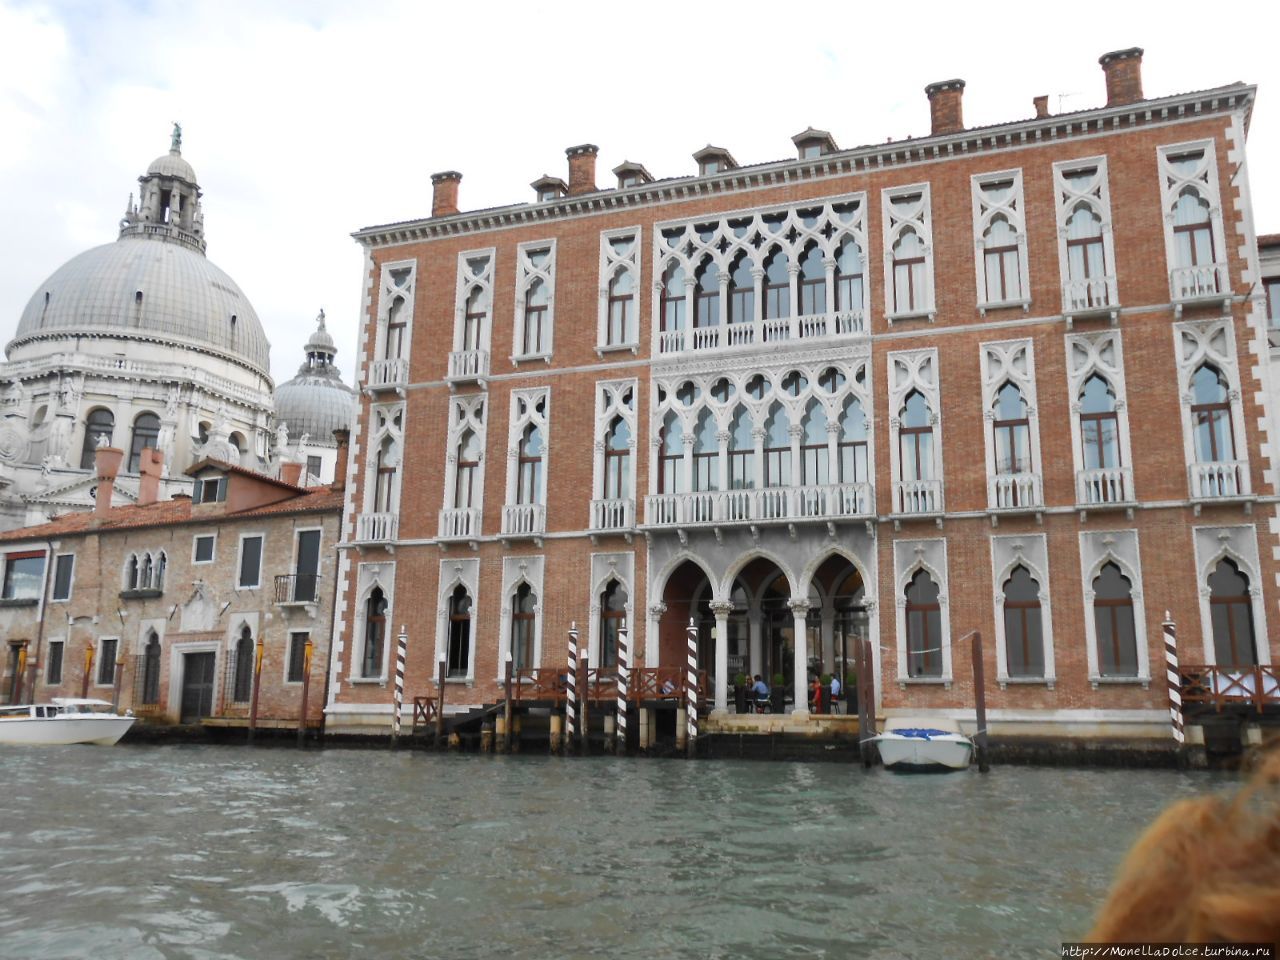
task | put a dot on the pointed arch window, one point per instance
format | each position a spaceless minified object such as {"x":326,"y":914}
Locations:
{"x":1086,"y":256}
{"x":146,"y":433}
{"x":617,"y":461}
{"x":386,"y":465}
{"x":1000,"y":258}
{"x":622,"y":309}
{"x":393,"y":348}
{"x":466,"y":493}
{"x":777,"y":449}
{"x":537,"y":301}
{"x":706,"y":296}
{"x":848,"y":276}
{"x":375,"y":634}
{"x":475,"y":317}
{"x":915,"y":438}
{"x":742,"y":291}
{"x":813,"y":282}
{"x":1012,"y":429}
{"x":242,"y":680}
{"x":1231,"y":616}
{"x":706,"y":454}
{"x":1211,"y":415}
{"x":777,"y":286}
{"x":1114,"y":624}
{"x":924,"y":626}
{"x":1192,"y":230}
{"x":742,"y":450}
{"x":673,"y":299}
{"x":151,"y":670}
{"x":131,"y":573}
{"x":1099,"y":424}
{"x":459,"y":652}
{"x":909,"y":284}
{"x":522,"y":623}
{"x":613,"y":612}
{"x":98,"y":427}
{"x":530,"y":476}
{"x":670,"y":456}
{"x":852,"y":449}
{"x":815,"y":467}
{"x":1023,"y":627}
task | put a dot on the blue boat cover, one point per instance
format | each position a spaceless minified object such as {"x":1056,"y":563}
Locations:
{"x":920,"y":733}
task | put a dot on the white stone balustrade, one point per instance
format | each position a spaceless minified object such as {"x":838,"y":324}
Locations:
{"x":388,"y":373}
{"x":1225,"y":478}
{"x":1014,"y":491}
{"x":1104,"y":485}
{"x":459,"y":523}
{"x":524,"y":520}
{"x":917,"y":496}
{"x":468,"y":364}
{"x":755,"y":334}
{"x":615,"y":514}
{"x":376,"y":527}
{"x":831,"y":502}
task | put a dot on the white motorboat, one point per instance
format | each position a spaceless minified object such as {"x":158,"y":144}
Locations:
{"x":926,"y":744}
{"x":64,"y":720}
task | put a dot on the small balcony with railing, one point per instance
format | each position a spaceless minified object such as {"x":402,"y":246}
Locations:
{"x":375,"y":528}
{"x":1015,"y":493}
{"x":917,"y":498}
{"x":762,"y":334}
{"x":1104,"y":487}
{"x":832,"y":502}
{"x":459,"y":523}
{"x":1220,"y":480}
{"x":297,"y":589}
{"x":617,"y":515}
{"x":523,"y":521}
{"x":1090,"y":297}
{"x":468,"y":366}
{"x":391,"y":373}
{"x":1200,"y":285}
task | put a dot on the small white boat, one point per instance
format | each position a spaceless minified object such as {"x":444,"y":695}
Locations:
{"x":64,"y":720}
{"x":932,"y":744}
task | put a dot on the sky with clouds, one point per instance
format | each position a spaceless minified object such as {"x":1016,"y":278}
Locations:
{"x":307,"y":120}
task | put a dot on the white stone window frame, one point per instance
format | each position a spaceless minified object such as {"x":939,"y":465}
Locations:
{"x":213,"y":557}
{"x":1013,"y":210}
{"x":1085,"y":358}
{"x":517,"y":424}
{"x":375,"y":574}
{"x":1000,"y":361}
{"x":466,"y":282}
{"x":1239,"y":544}
{"x":611,"y":265}
{"x":455,"y":573}
{"x":177,"y":671}
{"x":1008,"y":552}
{"x":1097,"y":194}
{"x":388,"y":291}
{"x":465,"y":412}
{"x":689,"y":250}
{"x":758,"y":411}
{"x":611,"y":404}
{"x":1210,"y":341}
{"x":1204,"y":180}
{"x":1098,"y":548}
{"x":156,"y":580}
{"x":53,"y":579}
{"x":604,"y":568}
{"x":909,"y":557}
{"x":526,"y":274}
{"x":909,"y":370}
{"x":517,"y":571}
{"x":894,"y":223}
{"x":262,"y":557}
{"x":386,"y":421}
{"x":145,"y":628}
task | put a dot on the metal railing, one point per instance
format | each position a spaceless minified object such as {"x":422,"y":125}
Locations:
{"x":459,"y":523}
{"x":1091,"y":293}
{"x":1104,"y":485}
{"x":468,"y":364}
{"x":757,"y":333}
{"x":917,"y":496}
{"x":297,"y":587}
{"x":615,"y":514}
{"x":376,"y":527}
{"x":392,"y":372}
{"x":1226,"y":478}
{"x":524,"y":519}
{"x":828,"y":502}
{"x":1198,"y":282}
{"x":1012,"y":491}
{"x":1223,"y":686}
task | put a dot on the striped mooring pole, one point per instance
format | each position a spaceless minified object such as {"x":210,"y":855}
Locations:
{"x":624,"y":670}
{"x":571,"y":686}
{"x":1174,"y":678}
{"x":691,"y":688}
{"x":402,"y":650}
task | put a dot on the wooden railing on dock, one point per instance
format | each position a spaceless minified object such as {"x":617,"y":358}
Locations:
{"x":537,"y":684}
{"x":1219,"y":686}
{"x":646,"y":683}
{"x":424,"y":712}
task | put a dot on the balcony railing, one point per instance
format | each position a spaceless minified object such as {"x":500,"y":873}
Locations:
{"x":1203,"y":282}
{"x":459,"y":523}
{"x":1014,"y":491}
{"x":917,"y":496}
{"x":1104,"y":485}
{"x":762,"y":333}
{"x":376,"y":527}
{"x":1226,"y":478}
{"x":617,"y":514}
{"x":1090,"y":295}
{"x":524,"y":520}
{"x":830,"y":502}
{"x":468,"y":365}
{"x":297,"y":587}
{"x":388,"y":373}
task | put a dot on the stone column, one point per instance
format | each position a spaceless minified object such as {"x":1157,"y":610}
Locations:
{"x":755,"y":642}
{"x":793,"y":291}
{"x":722,"y":609}
{"x":829,"y":266}
{"x":799,"y":613}
{"x":652,"y":640}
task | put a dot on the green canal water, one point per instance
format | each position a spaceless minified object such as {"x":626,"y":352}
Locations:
{"x":145,"y":852}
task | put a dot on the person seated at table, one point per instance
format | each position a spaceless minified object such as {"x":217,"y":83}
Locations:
{"x":815,"y":694}
{"x":668,"y":687}
{"x":760,"y":690}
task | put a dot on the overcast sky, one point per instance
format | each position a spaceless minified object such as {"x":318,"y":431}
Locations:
{"x":307,"y":120}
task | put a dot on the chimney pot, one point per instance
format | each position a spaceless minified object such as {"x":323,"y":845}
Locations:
{"x":150,"y":467}
{"x":582,"y":168}
{"x":107,"y":466}
{"x":946,"y":111}
{"x":1123,"y":70}
{"x":342,"y":437}
{"x":291,"y":472}
{"x":444,"y":193}
{"x":1042,"y":105}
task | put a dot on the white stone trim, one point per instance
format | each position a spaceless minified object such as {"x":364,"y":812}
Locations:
{"x":453,"y":573}
{"x":606,"y":567}
{"x":895,"y":221}
{"x":386,"y":425}
{"x":614,"y":398}
{"x":526,"y":274}
{"x":1096,"y":194}
{"x":910,"y":556}
{"x":515,"y":571}
{"x":1097,"y":548}
{"x":1239,"y":544}
{"x":465,"y":412}
{"x":1013,"y":211}
{"x":1197,"y":342}
{"x":369,"y":575}
{"x":475,"y":268}
{"x":611,"y":264}
{"x":1009,"y":361}
{"x":1101,"y":353}
{"x":914,"y":370}
{"x":398,"y":279}
{"x":528,"y":408}
{"x":1204,"y":181}
{"x":1008,"y":552}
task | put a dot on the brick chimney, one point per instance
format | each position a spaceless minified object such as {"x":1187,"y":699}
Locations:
{"x":291,"y":472}
{"x":582,"y":168}
{"x":1042,"y":105}
{"x":149,"y":470}
{"x":343,"y":439}
{"x":945,"y":108}
{"x":1123,"y":69}
{"x":107,"y":462}
{"x":444,"y":193}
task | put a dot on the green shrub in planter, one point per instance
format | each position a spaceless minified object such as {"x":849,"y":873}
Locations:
{"x":778,"y":694}
{"x":740,"y":693}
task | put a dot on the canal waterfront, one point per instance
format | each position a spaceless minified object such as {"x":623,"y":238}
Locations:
{"x":144,"y":852}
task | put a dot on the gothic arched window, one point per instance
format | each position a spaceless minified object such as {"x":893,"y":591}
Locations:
{"x":459,"y":652}
{"x":242,"y":682}
{"x":522,"y":623}
{"x":151,"y":670}
{"x":1023,"y":631}
{"x":924,"y":627}
{"x":1231,"y":616}
{"x":1114,"y":624}
{"x":613,"y":612}
{"x":1211,"y":416}
{"x":375,"y":632}
{"x":98,"y":427}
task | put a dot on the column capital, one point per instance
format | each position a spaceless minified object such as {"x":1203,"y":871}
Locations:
{"x":721,"y":608}
{"x":799,"y":607}
{"x":656,"y":610}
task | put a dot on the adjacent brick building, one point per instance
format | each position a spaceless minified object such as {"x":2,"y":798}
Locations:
{"x":1009,"y":379}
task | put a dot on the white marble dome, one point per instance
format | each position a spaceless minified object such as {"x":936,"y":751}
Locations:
{"x":316,"y":401}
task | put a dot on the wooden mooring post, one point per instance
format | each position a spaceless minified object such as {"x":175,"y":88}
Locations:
{"x":441,"y":667}
{"x":307,"y":650}
{"x":257,"y":685}
{"x":691,"y":690}
{"x":506,"y":705}
{"x":1173,"y":678}
{"x":584,"y":689}
{"x":624,"y":672}
{"x":866,"y":701}
{"x":88,"y":669}
{"x":980,"y":703}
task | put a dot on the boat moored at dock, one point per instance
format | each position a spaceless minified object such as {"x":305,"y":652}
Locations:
{"x":64,"y":720}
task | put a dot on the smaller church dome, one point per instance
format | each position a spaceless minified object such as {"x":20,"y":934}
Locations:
{"x":171,"y":164}
{"x":316,"y":402}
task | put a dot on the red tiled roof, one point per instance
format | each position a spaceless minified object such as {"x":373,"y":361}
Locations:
{"x":225,"y":467}
{"x":1269,"y":240}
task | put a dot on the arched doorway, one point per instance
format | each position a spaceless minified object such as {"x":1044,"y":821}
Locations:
{"x":842,"y":616}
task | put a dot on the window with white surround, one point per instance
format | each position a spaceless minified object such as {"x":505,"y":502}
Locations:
{"x":464,"y":468}
{"x":521,"y":630}
{"x":1233,"y":616}
{"x":525,"y":512}
{"x":1212,"y":412}
{"x":1193,"y":232}
{"x":1011,"y":425}
{"x":53,"y":663}
{"x":1099,"y":419}
{"x":908,"y":252}
{"x":612,"y":576}
{"x":915,"y":431}
{"x":380,"y":518}
{"x":535,"y":300}
{"x":250,"y":561}
{"x":202,"y":548}
{"x":1000,"y":240}
{"x":473,"y":316}
{"x":1115,"y":624}
{"x":374,"y":613}
{"x":619,"y":326}
{"x":456,"y":620}
{"x":1023,"y":615}
{"x":390,"y":364}
{"x":63,"y":576}
{"x":1086,"y":252}
{"x":613,"y":506}
{"x":145,"y":570}
{"x":923,"y":620}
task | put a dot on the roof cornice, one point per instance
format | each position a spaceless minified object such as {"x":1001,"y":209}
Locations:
{"x":975,"y":140}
